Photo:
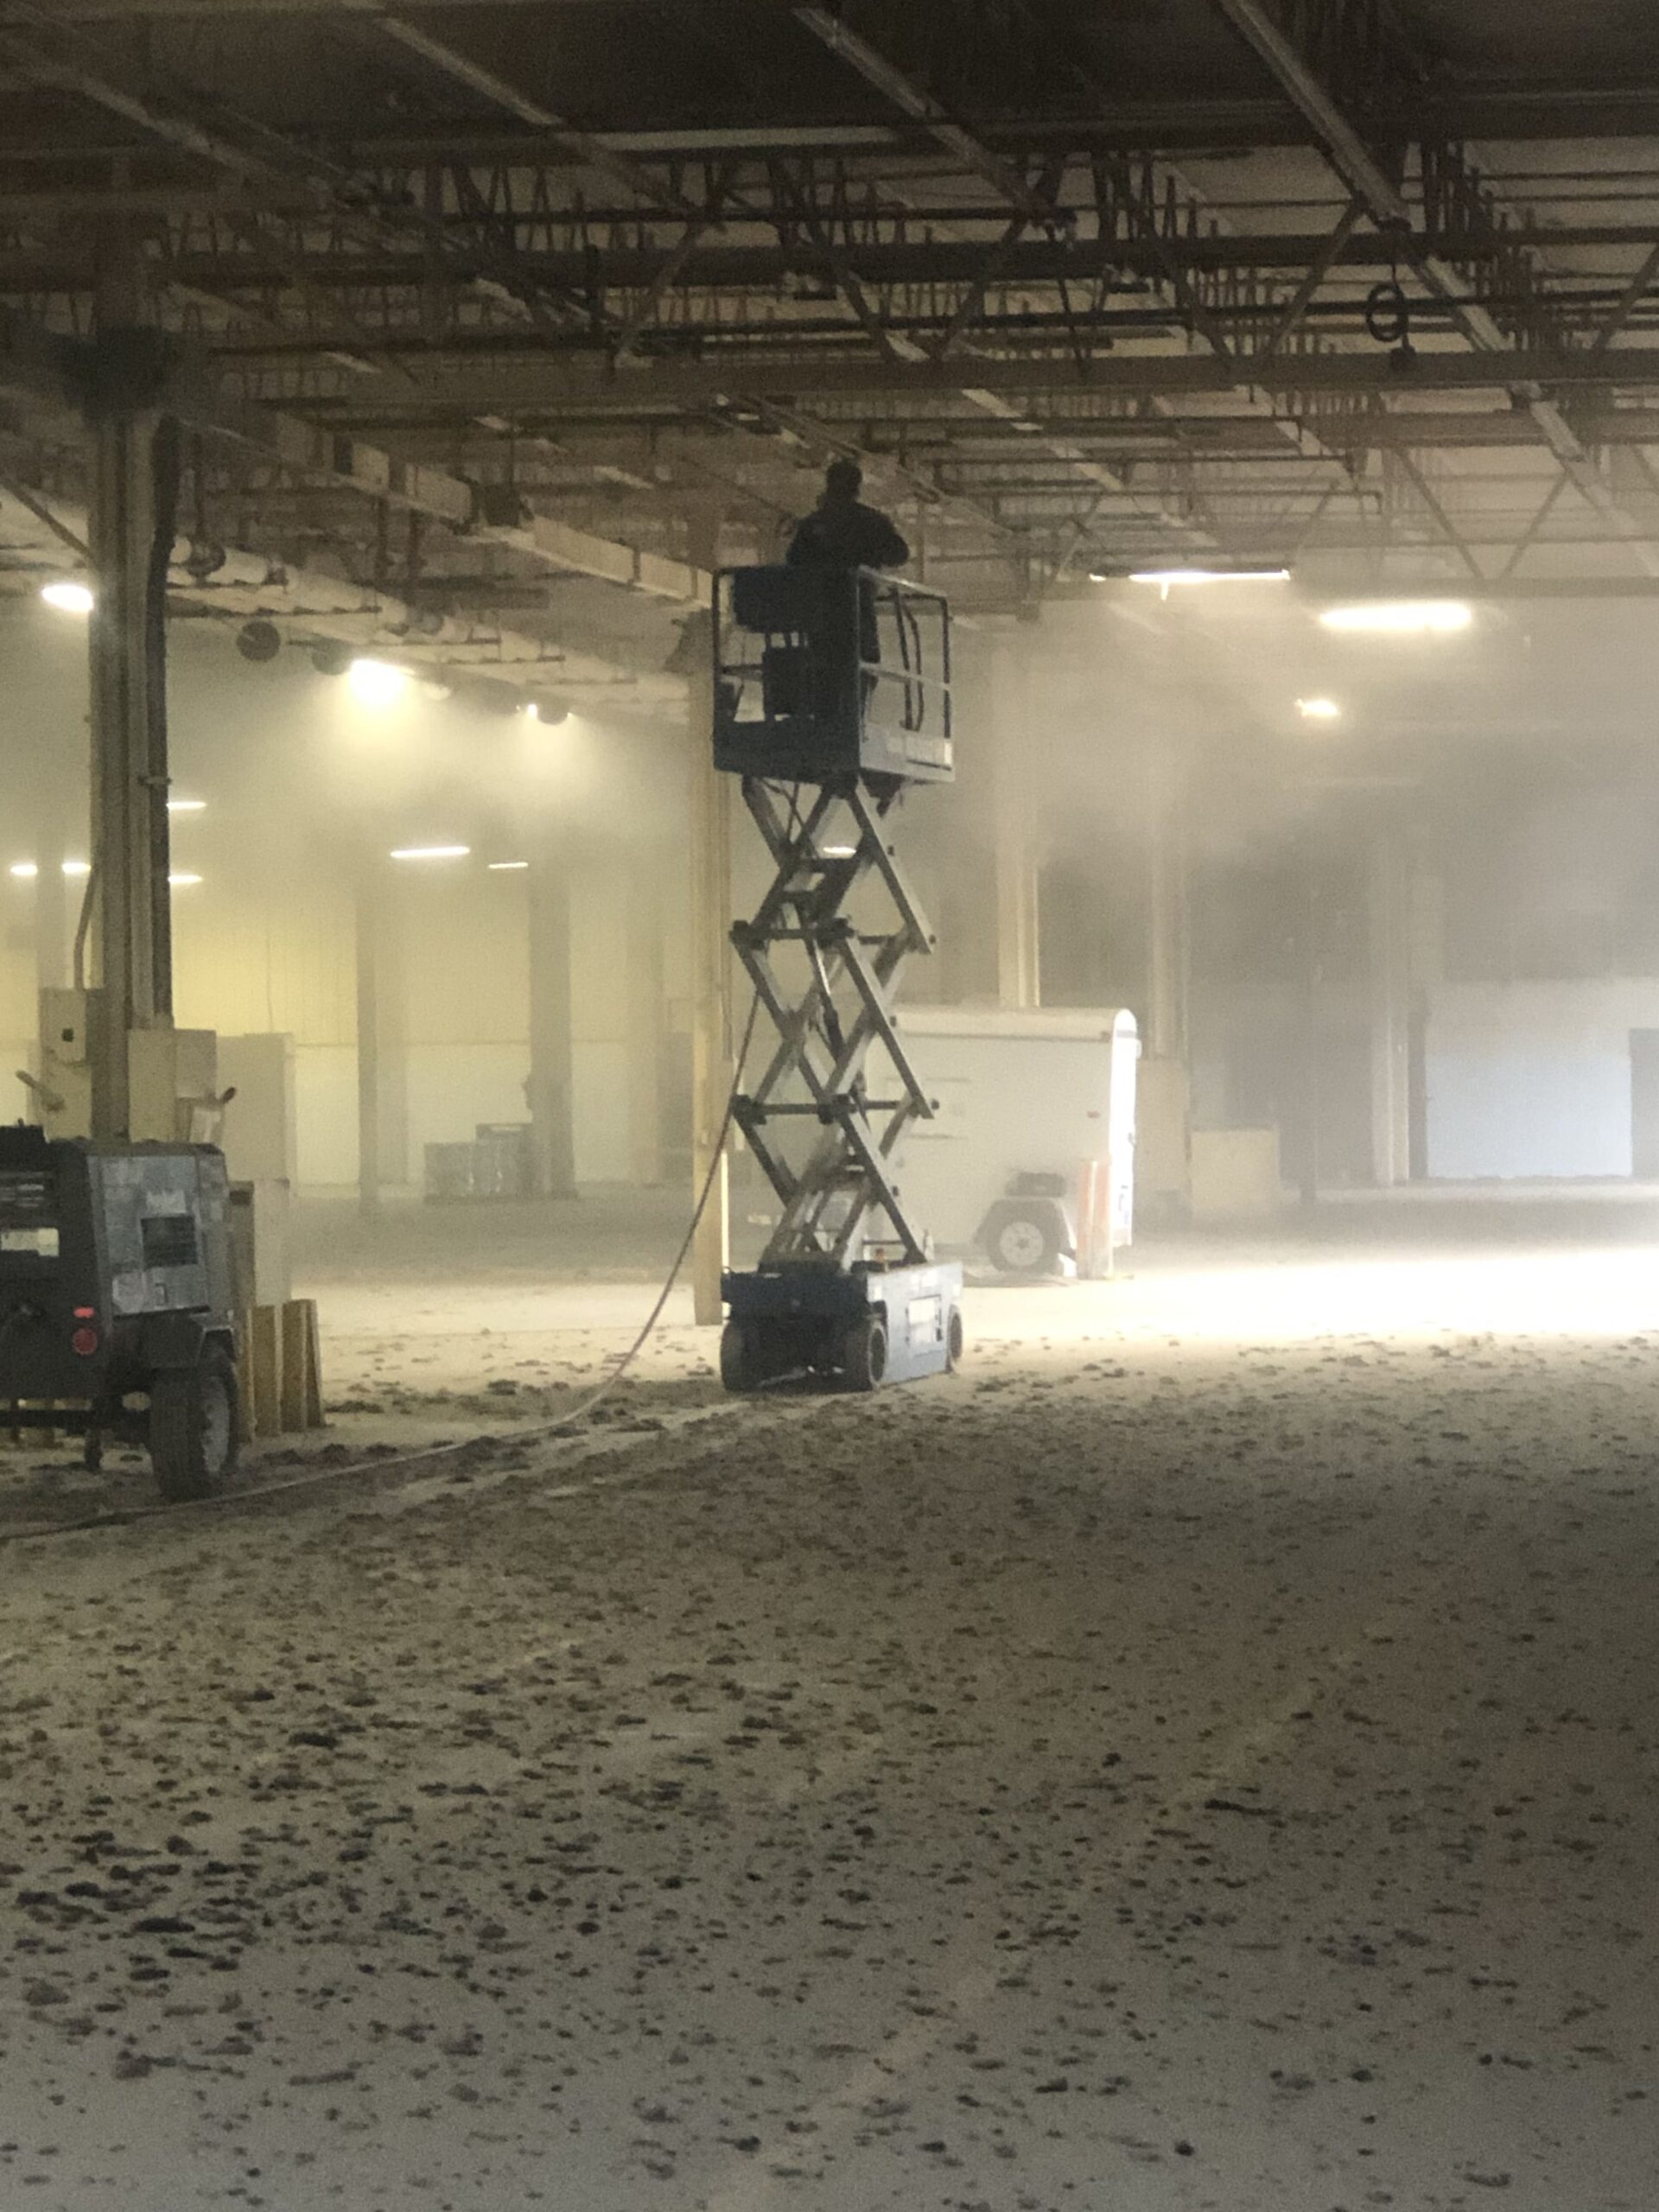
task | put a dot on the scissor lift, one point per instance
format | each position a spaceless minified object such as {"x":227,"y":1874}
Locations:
{"x":832,"y":698}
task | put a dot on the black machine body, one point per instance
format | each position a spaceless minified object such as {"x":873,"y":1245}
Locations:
{"x":116,"y":1282}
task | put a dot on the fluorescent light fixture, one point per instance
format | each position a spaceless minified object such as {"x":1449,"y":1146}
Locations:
{"x":377,"y":682}
{"x":430,"y":852}
{"x":502,"y":867}
{"x":187,"y":806}
{"x":839,"y":852}
{"x":1166,"y":577}
{"x":67,"y":596}
{"x":77,"y":868}
{"x":25,"y":871}
{"x":1319,"y":710}
{"x":183,"y":882}
{"x":1402,"y":617}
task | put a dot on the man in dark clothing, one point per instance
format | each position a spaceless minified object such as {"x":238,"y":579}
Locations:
{"x":841,"y":532}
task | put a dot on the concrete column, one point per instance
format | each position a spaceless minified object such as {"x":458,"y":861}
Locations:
{"x":1168,"y":956}
{"x":1310,"y":1051}
{"x":55,"y":898}
{"x":647,"y":1022}
{"x":1425,"y":967}
{"x":712,"y":1047}
{"x":1164,"y":1131}
{"x":1388,"y":890}
{"x":131,"y":450}
{"x":709,"y":803}
{"x":1017,"y":859}
{"x":382,"y":1038}
{"x":551,"y":1089}
{"x":369,"y":1174}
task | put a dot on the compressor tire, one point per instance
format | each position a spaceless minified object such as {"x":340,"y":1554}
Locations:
{"x":193,"y":1426}
{"x":737,"y":1360}
{"x":1023,"y":1243}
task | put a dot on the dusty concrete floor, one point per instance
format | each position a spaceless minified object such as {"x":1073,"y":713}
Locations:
{"x":1204,"y":1755}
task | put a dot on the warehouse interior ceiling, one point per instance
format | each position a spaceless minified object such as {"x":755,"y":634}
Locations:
{"x":491,"y":324}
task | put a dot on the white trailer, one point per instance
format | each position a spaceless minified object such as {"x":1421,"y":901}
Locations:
{"x":1031,"y":1156}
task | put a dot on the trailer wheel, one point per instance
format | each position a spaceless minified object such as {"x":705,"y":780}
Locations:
{"x":953,"y":1341}
{"x":1023,"y":1241}
{"x":193,"y":1426}
{"x":864,"y":1353}
{"x":738,"y":1362}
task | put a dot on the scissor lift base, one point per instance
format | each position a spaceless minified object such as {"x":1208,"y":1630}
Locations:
{"x":860,"y":1328}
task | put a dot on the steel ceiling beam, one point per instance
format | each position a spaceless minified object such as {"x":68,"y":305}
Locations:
{"x":179,"y":118}
{"x":587,"y":150}
{"x":58,"y":371}
{"x":1350,"y":156}
{"x":1360,"y":170}
{"x":1029,"y":208}
{"x":523,"y":380}
{"x":235,"y":583}
{"x":921,"y":107}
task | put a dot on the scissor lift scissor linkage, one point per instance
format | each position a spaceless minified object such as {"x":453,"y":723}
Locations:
{"x":825,"y":1033}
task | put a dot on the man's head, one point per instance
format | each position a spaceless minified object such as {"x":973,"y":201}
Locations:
{"x":842,"y":482}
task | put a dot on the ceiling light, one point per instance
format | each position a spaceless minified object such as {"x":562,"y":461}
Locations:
{"x":377,"y":682}
{"x":67,"y":596}
{"x":1319,"y":710}
{"x":77,"y":868}
{"x":187,"y":806}
{"x":500,"y":867}
{"x":1402,"y":617}
{"x":430,"y":852}
{"x":840,"y":852}
{"x":1166,"y":577}
{"x":183,"y":882}
{"x":25,"y":871}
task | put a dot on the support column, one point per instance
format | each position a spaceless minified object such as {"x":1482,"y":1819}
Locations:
{"x":1311,"y":1055}
{"x":1019,"y":959}
{"x":647,"y":1036}
{"x":709,"y":801}
{"x":551,"y":1089}
{"x":711,"y":1013}
{"x":54,"y":895}
{"x":131,"y":929}
{"x":1164,"y":1132}
{"x":369,"y":1169}
{"x":1389,"y":903}
{"x":1426,"y":970}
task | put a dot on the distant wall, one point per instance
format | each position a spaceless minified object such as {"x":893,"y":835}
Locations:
{"x":1533,"y":1079}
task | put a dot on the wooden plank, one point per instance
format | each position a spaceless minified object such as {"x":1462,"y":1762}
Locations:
{"x":299,"y":1355}
{"x":307,"y":1309}
{"x":266,"y":1335}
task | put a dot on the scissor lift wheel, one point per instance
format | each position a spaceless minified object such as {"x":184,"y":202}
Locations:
{"x":864,"y":1354}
